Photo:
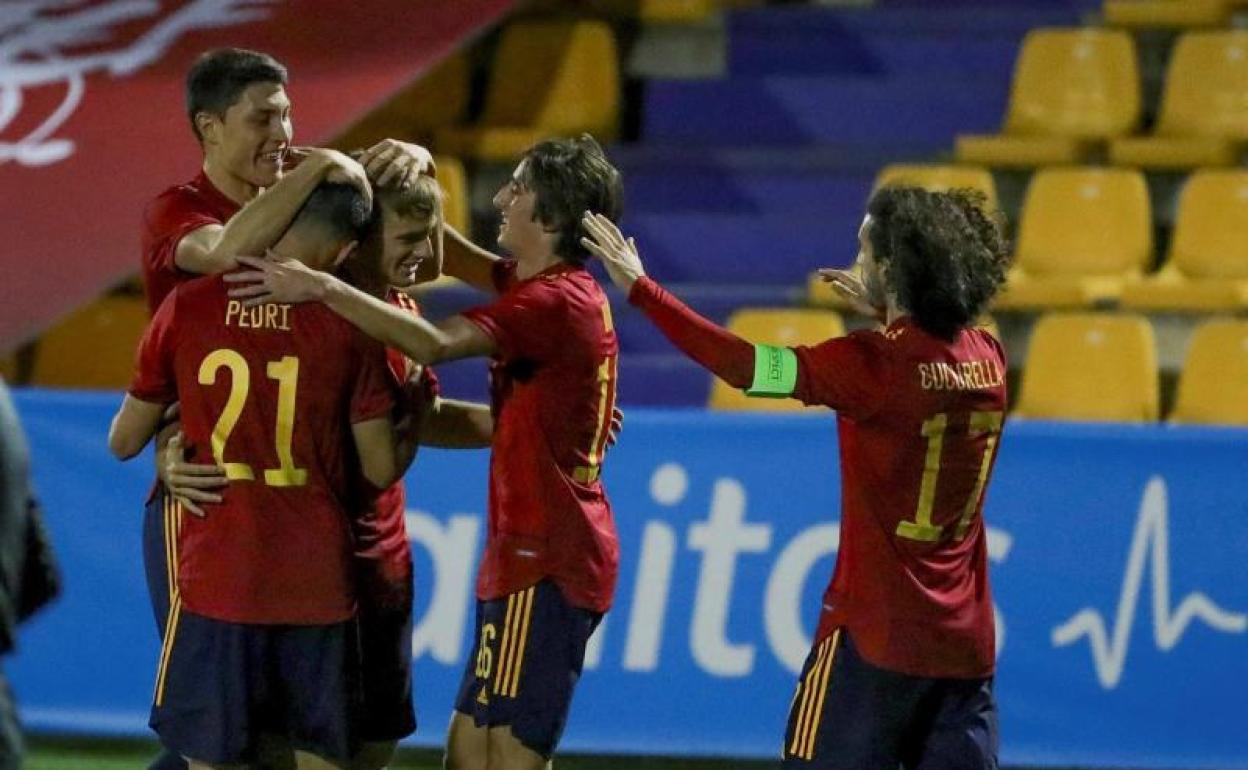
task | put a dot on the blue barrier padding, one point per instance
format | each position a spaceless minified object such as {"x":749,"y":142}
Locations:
{"x":1117,"y":556}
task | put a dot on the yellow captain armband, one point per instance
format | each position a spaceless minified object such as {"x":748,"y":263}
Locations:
{"x":775,"y":372}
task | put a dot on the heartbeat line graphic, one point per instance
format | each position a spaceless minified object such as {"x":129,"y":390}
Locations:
{"x":1110,"y":655}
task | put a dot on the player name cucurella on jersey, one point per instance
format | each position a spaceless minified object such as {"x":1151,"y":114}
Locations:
{"x":262,"y":317}
{"x":964,"y":375}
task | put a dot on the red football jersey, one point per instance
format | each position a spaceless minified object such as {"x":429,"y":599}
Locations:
{"x":553,"y":382}
{"x":381,"y":532}
{"x":270,"y":393}
{"x":919,"y":420}
{"x":175,"y":212}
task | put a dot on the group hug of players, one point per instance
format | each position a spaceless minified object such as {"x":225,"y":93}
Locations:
{"x":286,"y":380}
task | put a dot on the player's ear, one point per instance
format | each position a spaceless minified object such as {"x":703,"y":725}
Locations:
{"x":345,"y":253}
{"x":207,"y":124}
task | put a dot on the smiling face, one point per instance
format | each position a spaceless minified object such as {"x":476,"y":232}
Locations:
{"x":250,"y":140}
{"x":520,"y":233}
{"x":407,"y":248}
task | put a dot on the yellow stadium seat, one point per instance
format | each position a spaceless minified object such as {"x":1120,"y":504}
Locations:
{"x":1085,"y":234}
{"x":1207,"y":269}
{"x":939,"y":178}
{"x":94,"y":347}
{"x":436,"y":100}
{"x":1167,"y":13}
{"x":1204,"y":113}
{"x":1090,"y":367}
{"x":1072,"y":89}
{"x":548,"y":79}
{"x":774,"y":327}
{"x":1213,"y":387}
{"x":656,"y":11}
{"x":454,"y":183}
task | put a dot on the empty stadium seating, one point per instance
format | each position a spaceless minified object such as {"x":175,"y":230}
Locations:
{"x":1090,"y":367}
{"x":939,"y":178}
{"x":94,"y":347}
{"x":1204,"y":115}
{"x":454,"y":183}
{"x":776,"y":327}
{"x":548,"y":78}
{"x":1085,"y":234}
{"x":1213,"y":387}
{"x":436,"y":100}
{"x":1146,"y":14}
{"x":1072,"y":88}
{"x":1207,"y":268}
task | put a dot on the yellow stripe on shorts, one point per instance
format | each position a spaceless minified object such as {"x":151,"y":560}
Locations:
{"x":166,"y":650}
{"x":814,"y":690}
{"x":515,"y":637}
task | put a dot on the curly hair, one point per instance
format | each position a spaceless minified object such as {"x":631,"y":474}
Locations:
{"x":941,"y":253}
{"x":570,"y":177}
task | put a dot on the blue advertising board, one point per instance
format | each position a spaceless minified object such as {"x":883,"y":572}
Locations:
{"x":1117,"y":555}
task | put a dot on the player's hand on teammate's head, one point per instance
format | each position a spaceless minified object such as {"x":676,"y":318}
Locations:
{"x":274,"y":279}
{"x":393,"y":162}
{"x":345,"y":170}
{"x":849,"y":285}
{"x":191,"y":484}
{"x":618,"y":255}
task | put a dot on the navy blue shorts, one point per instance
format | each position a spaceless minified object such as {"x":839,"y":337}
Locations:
{"x":385,"y":644}
{"x":161,"y":517}
{"x":525,"y":664}
{"x":850,"y":715}
{"x":220,"y":685}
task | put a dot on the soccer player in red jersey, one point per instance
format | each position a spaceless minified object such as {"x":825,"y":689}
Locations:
{"x":291,"y":402}
{"x":901,"y":669}
{"x":551,"y":556}
{"x":404,"y":250}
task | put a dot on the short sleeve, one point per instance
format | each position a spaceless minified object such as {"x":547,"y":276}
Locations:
{"x":521,"y":321}
{"x":372,"y":395}
{"x":169,"y":219}
{"x":848,"y":374}
{"x":154,"y":378}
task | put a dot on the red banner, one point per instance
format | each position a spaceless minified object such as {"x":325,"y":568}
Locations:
{"x":93,"y":123}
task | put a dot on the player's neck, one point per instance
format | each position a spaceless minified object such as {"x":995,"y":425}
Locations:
{"x":368,"y":282}
{"x":238,"y":190}
{"x":529,"y":266}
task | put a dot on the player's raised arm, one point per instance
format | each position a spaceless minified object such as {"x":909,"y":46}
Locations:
{"x":212,"y":248}
{"x":426,"y":343}
{"x":469,"y":262}
{"x":723,"y":353}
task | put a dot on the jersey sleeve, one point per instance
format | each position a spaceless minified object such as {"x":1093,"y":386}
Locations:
{"x":169,"y":219}
{"x":522,"y":321}
{"x":372,"y":395}
{"x":848,"y":374}
{"x":154,"y":380}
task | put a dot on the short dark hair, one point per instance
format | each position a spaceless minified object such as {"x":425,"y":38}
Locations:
{"x":942,"y":254}
{"x":218,"y":77}
{"x":340,"y":209}
{"x":569,"y":177}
